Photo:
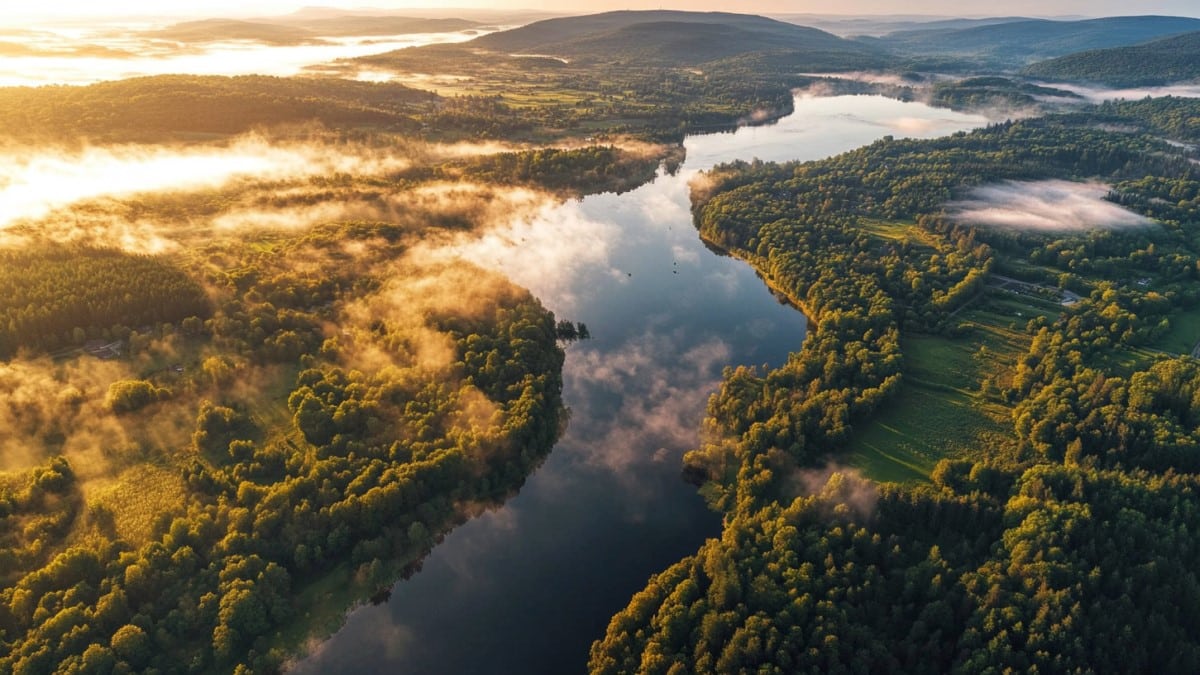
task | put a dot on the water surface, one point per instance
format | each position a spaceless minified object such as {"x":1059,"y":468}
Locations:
{"x":527,"y":588}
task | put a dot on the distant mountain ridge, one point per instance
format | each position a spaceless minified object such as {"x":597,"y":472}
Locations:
{"x":215,"y":30}
{"x":1021,"y":42}
{"x":876,"y":26}
{"x":1161,"y":62}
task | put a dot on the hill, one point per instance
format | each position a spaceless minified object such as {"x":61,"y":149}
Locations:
{"x":847,"y":26}
{"x":681,"y":38}
{"x":217,"y":30}
{"x":653,"y":74}
{"x":182,"y":106}
{"x":287,"y":31}
{"x":1173,"y":59}
{"x":350,"y":25}
{"x":1021,"y":42}
{"x":489,"y":16}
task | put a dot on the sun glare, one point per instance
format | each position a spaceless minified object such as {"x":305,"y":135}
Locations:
{"x":33,"y":186}
{"x":67,"y":10}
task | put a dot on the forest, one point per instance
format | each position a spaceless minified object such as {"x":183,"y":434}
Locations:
{"x":187,"y":107}
{"x":233,"y":411}
{"x":284,"y":412}
{"x":1064,"y":545}
{"x":1159,"y":62}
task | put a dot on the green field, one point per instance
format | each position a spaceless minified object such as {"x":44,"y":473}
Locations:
{"x":941,"y":410}
{"x":899,"y":231}
{"x":1184,"y":333}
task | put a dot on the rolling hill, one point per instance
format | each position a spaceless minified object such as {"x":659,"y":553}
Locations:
{"x":218,"y":30}
{"x":1022,"y":42}
{"x":351,"y":25}
{"x":1161,"y":62}
{"x":654,"y":74}
{"x":847,"y":26}
{"x":180,"y":106}
{"x":665,"y":37}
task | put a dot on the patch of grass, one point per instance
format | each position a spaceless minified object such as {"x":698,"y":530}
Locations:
{"x":1184,"y":333}
{"x":132,"y":502}
{"x":1021,"y":308}
{"x":1125,"y":361}
{"x":940,"y":410}
{"x":899,"y":231}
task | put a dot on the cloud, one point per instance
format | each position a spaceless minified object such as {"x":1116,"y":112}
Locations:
{"x":81,"y":56}
{"x":152,"y":199}
{"x":1098,"y":94}
{"x":542,"y":246}
{"x":843,"y":488}
{"x":660,"y":387}
{"x":868,"y":77}
{"x":1050,"y":205}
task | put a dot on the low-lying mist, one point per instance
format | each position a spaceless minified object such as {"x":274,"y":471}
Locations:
{"x":149,"y":198}
{"x":1049,"y":205}
{"x":35,"y":182}
{"x":73,"y":56}
{"x":1100,"y":94}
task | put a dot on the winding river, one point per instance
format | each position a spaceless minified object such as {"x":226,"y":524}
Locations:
{"x":526,"y":588}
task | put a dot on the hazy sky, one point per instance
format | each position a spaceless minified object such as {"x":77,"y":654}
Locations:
{"x":68,"y":8}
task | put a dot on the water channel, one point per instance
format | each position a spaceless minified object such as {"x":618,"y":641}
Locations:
{"x":526,"y":588}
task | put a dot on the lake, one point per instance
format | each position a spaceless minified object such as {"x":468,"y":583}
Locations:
{"x":527,"y":587}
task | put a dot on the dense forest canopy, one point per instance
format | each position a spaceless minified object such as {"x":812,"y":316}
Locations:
{"x":279,"y":451}
{"x":1056,"y":547}
{"x":1161,"y":62}
{"x":175,"y":106}
{"x":221,"y":401}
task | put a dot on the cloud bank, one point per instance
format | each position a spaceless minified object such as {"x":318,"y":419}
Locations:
{"x":32,"y":184}
{"x":1048,"y":205}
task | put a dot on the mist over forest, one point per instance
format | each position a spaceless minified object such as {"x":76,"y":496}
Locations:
{"x":646,"y":341}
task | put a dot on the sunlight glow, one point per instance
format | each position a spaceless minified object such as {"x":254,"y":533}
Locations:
{"x":34,"y":185}
{"x":63,"y":9}
{"x":120,"y":56}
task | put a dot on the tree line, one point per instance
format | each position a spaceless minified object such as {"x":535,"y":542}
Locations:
{"x":1067,"y":547}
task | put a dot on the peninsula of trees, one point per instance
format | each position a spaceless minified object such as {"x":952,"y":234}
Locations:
{"x":1054,"y":533}
{"x":983,"y":458}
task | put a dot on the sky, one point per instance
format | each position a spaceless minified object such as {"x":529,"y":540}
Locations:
{"x":80,"y":8}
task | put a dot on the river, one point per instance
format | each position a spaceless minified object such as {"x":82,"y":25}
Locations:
{"x":526,"y":588}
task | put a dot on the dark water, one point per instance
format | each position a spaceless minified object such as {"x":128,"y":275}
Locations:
{"x":528,"y":587}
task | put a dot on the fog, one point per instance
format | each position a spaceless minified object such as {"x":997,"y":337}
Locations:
{"x":58,"y":55}
{"x":35,"y":182}
{"x":869,"y":77}
{"x":105,"y":195}
{"x":1050,"y":205}
{"x":1099,"y":94}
